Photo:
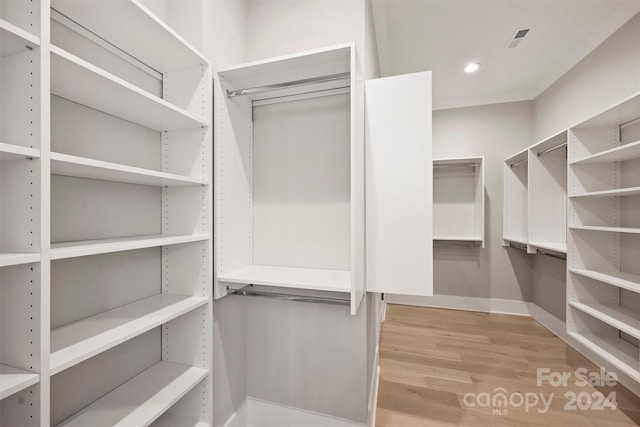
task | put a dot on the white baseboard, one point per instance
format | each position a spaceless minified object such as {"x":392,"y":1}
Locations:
{"x":258,"y":413}
{"x":488,"y":305}
{"x":373,"y":393}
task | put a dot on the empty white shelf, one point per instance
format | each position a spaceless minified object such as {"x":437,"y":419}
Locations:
{"x":619,"y":353}
{"x":139,"y":33}
{"x":142,"y":399}
{"x":17,"y":152}
{"x":170,"y":420}
{"x":620,"y":318}
{"x":8,"y":259}
{"x":629,"y":230}
{"x":78,"y":341}
{"x":555,"y":247}
{"x":14,"y":39}
{"x":290,"y":277}
{"x":12,"y":380}
{"x":631,"y":191}
{"x":64,"y":164}
{"x":627,"y":281}
{"x":458,"y":238}
{"x":104,"y":246}
{"x":618,"y":154}
{"x":79,"y":81}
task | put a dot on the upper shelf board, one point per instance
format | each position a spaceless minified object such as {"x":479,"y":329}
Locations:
{"x":12,"y":380}
{"x":549,"y":143}
{"x":459,"y":161}
{"x":617,"y":114}
{"x":291,"y":277}
{"x":134,"y":29}
{"x":17,"y":152}
{"x":307,"y":65}
{"x":520,"y":157}
{"x":621,"y":153}
{"x":14,"y":39}
{"x":79,"y":81}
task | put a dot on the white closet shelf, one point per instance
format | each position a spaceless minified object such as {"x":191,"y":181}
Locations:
{"x":8,"y":259}
{"x":521,"y":156}
{"x":170,"y":420}
{"x":518,"y":240}
{"x":291,"y":277}
{"x":629,"y":230}
{"x":12,"y":380}
{"x":139,"y":32}
{"x":631,"y":191}
{"x":66,"y":165}
{"x":616,"y":351}
{"x":555,"y":247}
{"x":78,"y":341}
{"x":105,"y":246}
{"x":626,"y":320}
{"x":79,"y":81}
{"x":14,"y":39}
{"x":458,"y":238}
{"x":458,"y":161}
{"x":618,"y":154}
{"x":627,"y":281}
{"x":17,"y":152}
{"x":142,"y":399}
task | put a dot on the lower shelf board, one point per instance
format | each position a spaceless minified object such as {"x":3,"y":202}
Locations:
{"x":78,"y":341}
{"x":626,"y":281}
{"x":549,"y":246}
{"x":518,"y":240}
{"x":619,"y":353}
{"x":8,"y":259}
{"x":170,"y":420}
{"x":141,"y":400}
{"x":291,"y":277}
{"x":621,"y":318}
{"x":12,"y":380}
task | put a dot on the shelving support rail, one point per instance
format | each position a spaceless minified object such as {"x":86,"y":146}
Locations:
{"x":288,"y":85}
{"x":250,"y":291}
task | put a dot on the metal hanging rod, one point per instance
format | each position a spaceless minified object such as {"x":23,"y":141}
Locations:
{"x":287,"y":297}
{"x":285,"y":85}
{"x":513,"y":165}
{"x":517,"y":246}
{"x":470,"y":243}
{"x":548,"y":150}
{"x":456,"y":165}
{"x":564,"y":258}
{"x":630,"y":123}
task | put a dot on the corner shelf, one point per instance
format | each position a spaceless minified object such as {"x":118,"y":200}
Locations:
{"x":66,"y":165}
{"x":17,"y":152}
{"x":620,"y":318}
{"x":104,"y":246}
{"x":9,"y":259}
{"x":13,"y":380}
{"x":291,"y":277}
{"x":142,"y":399}
{"x":78,"y":341}
{"x":14,"y":39}
{"x":79,"y":81}
{"x":621,"y":153}
{"x":139,"y":33}
{"x":627,"y":281}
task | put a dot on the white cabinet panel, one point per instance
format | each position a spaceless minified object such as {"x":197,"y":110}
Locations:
{"x":399,"y":185}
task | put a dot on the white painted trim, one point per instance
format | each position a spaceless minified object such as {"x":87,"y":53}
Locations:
{"x":240,"y":418}
{"x":373,"y":397}
{"x":488,"y":305}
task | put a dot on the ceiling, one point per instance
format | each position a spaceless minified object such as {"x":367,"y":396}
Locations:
{"x":445,"y":35}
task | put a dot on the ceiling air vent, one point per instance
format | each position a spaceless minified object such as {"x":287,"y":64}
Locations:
{"x":517,"y":37}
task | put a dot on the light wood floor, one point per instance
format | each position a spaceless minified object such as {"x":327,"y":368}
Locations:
{"x":430,"y":358}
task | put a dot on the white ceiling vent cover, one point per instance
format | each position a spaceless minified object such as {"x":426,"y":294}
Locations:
{"x":517,"y":37}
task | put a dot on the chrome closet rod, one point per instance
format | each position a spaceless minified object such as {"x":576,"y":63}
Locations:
{"x":564,"y":258}
{"x":517,"y":163}
{"x":288,"y":297}
{"x":517,"y":246}
{"x":630,"y":123}
{"x":285,"y":85}
{"x":548,"y":150}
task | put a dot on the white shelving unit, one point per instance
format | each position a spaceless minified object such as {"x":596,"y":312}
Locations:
{"x":516,"y":201}
{"x":603,"y":286}
{"x":458,"y":200}
{"x":271,"y":174}
{"x":22,"y":276}
{"x":105,"y":218}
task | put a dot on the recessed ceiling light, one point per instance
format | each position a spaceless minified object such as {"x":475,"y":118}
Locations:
{"x":471,"y":67}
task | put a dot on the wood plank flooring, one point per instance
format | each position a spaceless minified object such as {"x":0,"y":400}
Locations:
{"x":446,"y":367}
